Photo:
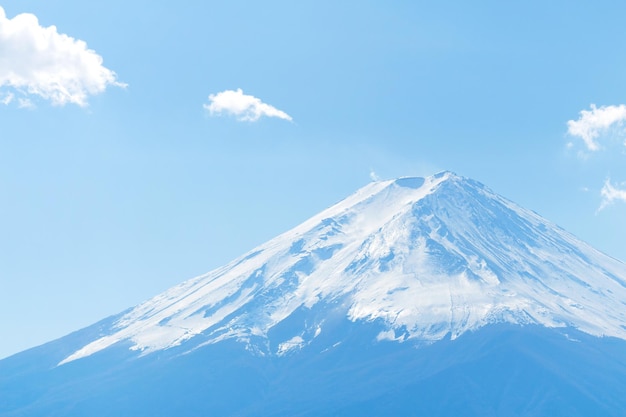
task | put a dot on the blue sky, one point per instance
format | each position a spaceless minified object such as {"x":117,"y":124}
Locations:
{"x":144,"y":143}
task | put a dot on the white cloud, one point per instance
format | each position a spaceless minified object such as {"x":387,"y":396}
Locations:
{"x":39,"y":61}
{"x":374,"y":176}
{"x":25,"y":103}
{"x":245,"y":107}
{"x":592,"y":123}
{"x":611,"y":193}
{"x":7,"y":98}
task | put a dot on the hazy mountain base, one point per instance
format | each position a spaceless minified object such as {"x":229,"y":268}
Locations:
{"x":500,"y":370}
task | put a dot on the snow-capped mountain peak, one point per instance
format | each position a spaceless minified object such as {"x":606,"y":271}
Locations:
{"x":422,"y":258}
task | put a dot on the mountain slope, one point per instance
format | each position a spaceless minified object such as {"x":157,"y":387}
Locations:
{"x":416,"y":296}
{"x":428,"y":257}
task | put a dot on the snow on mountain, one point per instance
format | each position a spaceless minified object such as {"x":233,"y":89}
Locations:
{"x":423,"y":257}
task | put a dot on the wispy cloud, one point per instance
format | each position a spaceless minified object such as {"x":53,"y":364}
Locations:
{"x":7,"y":98}
{"x":25,"y":103}
{"x":244,"y":107}
{"x":592,"y":123}
{"x":39,"y":61}
{"x":611,"y":193}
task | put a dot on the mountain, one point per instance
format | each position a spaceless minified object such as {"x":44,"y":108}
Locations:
{"x":415,"y":296}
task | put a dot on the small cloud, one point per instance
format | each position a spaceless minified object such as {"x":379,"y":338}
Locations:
{"x":611,"y":193}
{"x":39,"y":61}
{"x":7,"y":99}
{"x":25,"y":103}
{"x":245,"y":107}
{"x":374,"y":176}
{"x":596,"y":121}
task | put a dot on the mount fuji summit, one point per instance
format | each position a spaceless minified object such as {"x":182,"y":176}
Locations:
{"x":412,"y":297}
